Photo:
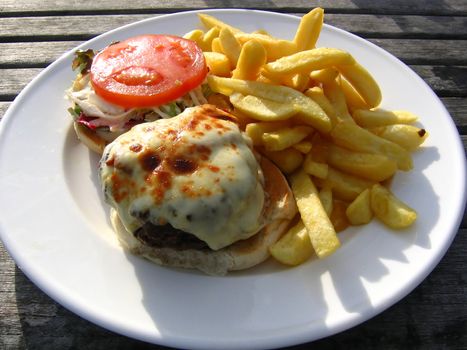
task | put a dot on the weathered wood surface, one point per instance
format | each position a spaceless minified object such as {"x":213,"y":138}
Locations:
{"x":419,"y":7}
{"x":431,"y":37}
{"x":369,"y":26}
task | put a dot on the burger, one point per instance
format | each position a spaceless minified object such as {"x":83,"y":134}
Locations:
{"x":191,"y":192}
{"x":140,"y":79}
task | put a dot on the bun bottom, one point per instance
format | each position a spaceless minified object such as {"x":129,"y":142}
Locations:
{"x":89,"y":138}
{"x":93,"y":140}
{"x":238,"y":256}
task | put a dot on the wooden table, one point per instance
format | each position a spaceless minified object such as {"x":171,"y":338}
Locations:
{"x":431,"y":37}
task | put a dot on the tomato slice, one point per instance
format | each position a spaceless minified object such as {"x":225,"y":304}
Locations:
{"x":147,"y":70}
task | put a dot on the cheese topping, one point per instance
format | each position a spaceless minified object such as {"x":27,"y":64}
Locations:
{"x":196,"y":172}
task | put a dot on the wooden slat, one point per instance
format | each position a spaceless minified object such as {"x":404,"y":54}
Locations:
{"x":376,"y":7}
{"x":457,"y":108}
{"x":44,"y":53}
{"x":410,"y":51}
{"x":444,"y":80}
{"x":14,"y":80}
{"x":3,"y":108}
{"x":426,"y":51}
{"x":371,"y":26}
{"x":66,"y":27}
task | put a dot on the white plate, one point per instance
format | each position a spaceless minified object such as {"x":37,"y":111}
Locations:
{"x":54,"y":222}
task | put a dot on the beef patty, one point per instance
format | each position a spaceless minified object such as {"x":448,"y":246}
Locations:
{"x":166,"y":236}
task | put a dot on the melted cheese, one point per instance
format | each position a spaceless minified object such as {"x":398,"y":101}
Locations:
{"x":195,"y":171}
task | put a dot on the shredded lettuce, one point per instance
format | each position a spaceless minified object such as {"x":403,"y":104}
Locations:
{"x":75,"y":111}
{"x":83,"y":60}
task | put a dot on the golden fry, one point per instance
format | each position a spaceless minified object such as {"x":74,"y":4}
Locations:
{"x":311,"y":112}
{"x":379,"y":117}
{"x":317,"y":95}
{"x":261,"y":108}
{"x":281,"y":139}
{"x":287,"y":160}
{"x":352,"y":97}
{"x":322,"y":234}
{"x":294,"y":247}
{"x":336,"y":96}
{"x":303,"y":146}
{"x":297,"y":81}
{"x":324,"y":75}
{"x":375,"y":167}
{"x":363,"y":83}
{"x":230,"y":46}
{"x":196,"y":35}
{"x":315,"y":168}
{"x":352,"y":136}
{"x":407,"y":136}
{"x":208,"y":37}
{"x":307,"y":61}
{"x":256,"y":130}
{"x":345,"y":186}
{"x":389,"y":209}
{"x":309,"y":29}
{"x":275,"y":48}
{"x":252,"y":58}
{"x":210,"y":22}
{"x":359,"y":211}
{"x":216,"y":45}
{"x":218,"y":63}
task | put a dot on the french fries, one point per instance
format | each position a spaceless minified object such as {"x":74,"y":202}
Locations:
{"x":359,"y":211}
{"x":407,"y":136}
{"x":229,"y":45}
{"x":310,"y":111}
{"x":351,"y":136}
{"x":391,"y":210}
{"x":281,"y":139}
{"x":294,"y":247}
{"x":218,"y":63}
{"x":262,"y":109}
{"x":210,"y":22}
{"x":315,"y":112}
{"x":307,"y":61}
{"x":318,"y":225}
{"x":287,"y":160}
{"x":252,"y":57}
{"x":363,"y":83}
{"x":368,"y":118}
{"x":375,"y":167}
{"x":308,"y":30}
{"x":275,"y":48}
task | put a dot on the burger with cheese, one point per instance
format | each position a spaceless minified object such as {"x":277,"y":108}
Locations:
{"x":191,"y":192}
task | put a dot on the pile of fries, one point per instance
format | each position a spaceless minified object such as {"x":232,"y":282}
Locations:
{"x":314,"y":112}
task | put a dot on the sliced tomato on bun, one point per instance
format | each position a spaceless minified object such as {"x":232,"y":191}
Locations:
{"x":148,"y":70}
{"x":140,"y":79}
